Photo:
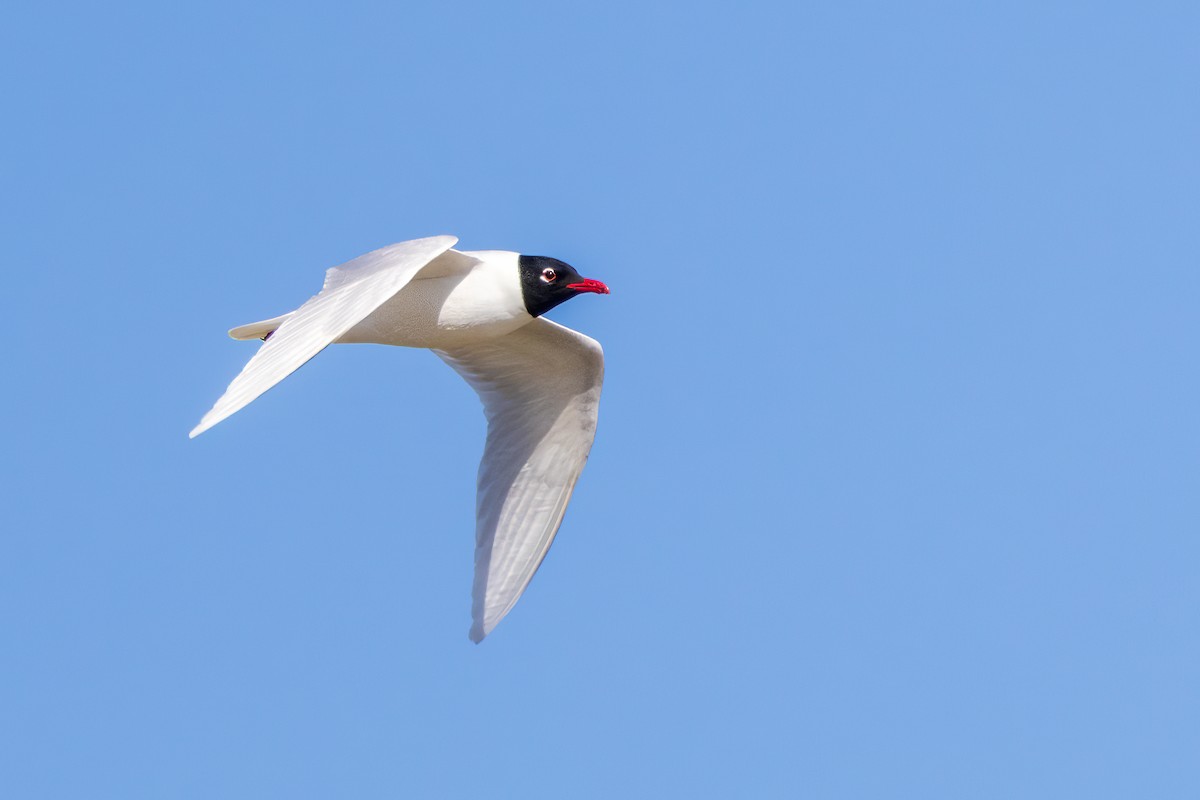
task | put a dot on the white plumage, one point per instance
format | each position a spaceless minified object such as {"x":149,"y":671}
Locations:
{"x":539,"y":383}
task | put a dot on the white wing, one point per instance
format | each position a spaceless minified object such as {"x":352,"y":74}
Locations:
{"x":540,"y":387}
{"x":351,"y":292}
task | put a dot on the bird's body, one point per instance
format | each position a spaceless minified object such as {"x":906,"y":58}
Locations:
{"x":474,"y":297}
{"x":480,"y":312}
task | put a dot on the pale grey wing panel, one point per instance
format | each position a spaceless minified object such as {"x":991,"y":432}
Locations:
{"x":351,"y":292}
{"x":540,"y":387}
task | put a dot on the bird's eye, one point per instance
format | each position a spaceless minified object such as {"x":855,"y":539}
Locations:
{"x":548,"y":275}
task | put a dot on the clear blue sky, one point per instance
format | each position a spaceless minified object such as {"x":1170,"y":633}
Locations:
{"x":895,"y":488}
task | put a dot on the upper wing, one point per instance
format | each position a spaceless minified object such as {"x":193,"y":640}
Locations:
{"x":540,"y":387}
{"x":351,"y":292}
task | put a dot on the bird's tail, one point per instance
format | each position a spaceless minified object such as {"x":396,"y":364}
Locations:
{"x":258,"y":330}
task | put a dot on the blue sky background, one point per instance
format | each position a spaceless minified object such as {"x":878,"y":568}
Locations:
{"x":895,"y":488}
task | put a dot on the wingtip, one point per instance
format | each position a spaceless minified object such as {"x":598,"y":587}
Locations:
{"x":204,"y":425}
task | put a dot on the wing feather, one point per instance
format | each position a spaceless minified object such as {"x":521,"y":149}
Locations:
{"x":540,"y":387}
{"x":351,"y":292}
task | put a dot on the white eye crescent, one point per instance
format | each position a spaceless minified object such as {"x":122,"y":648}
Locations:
{"x":548,"y":275}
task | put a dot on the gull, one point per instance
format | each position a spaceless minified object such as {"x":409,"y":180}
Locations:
{"x":480,"y":312}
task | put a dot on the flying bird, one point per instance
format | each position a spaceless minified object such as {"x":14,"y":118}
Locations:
{"x":481,"y":312}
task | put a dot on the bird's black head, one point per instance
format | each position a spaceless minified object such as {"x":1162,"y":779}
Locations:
{"x":546,"y":282}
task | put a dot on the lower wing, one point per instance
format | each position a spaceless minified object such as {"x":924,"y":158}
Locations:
{"x":540,"y":387}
